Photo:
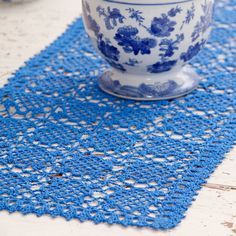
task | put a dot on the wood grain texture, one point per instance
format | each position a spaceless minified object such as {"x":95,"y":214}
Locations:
{"x":24,"y":31}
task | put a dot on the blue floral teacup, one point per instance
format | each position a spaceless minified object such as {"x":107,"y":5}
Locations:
{"x":148,"y":44}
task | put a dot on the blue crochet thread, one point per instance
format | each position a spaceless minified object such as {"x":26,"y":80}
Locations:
{"x":70,"y":150}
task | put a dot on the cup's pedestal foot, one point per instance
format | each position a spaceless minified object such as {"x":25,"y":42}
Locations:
{"x":149,"y":87}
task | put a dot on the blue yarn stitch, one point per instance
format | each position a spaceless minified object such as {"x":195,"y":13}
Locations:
{"x":70,"y":150}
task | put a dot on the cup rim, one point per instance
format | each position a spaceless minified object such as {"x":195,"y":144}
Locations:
{"x":148,"y":2}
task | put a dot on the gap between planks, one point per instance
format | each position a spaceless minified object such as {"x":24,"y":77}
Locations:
{"x":222,"y":187}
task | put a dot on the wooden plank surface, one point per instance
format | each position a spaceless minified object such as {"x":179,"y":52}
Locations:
{"x":24,"y":31}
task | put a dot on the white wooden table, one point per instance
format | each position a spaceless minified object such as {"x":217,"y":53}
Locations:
{"x":28,"y":28}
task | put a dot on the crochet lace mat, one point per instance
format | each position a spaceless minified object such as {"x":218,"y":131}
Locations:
{"x":68,"y":149}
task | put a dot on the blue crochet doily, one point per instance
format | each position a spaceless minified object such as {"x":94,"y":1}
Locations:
{"x":68,"y":149}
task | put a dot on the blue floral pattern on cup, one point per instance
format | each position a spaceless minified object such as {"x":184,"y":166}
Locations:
{"x":89,"y":21}
{"x":127,"y":38}
{"x":142,"y":91}
{"x":107,"y":49}
{"x":162,"y":66}
{"x":192,"y":51}
{"x":132,"y":37}
{"x":132,"y":62}
{"x":204,"y":23}
{"x":189,"y":16}
{"x":162,"y":26}
{"x":168,"y":46}
{"x":136,"y":15}
{"x":111,"y":16}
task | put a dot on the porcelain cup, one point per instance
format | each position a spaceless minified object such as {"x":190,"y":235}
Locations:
{"x":148,"y":44}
